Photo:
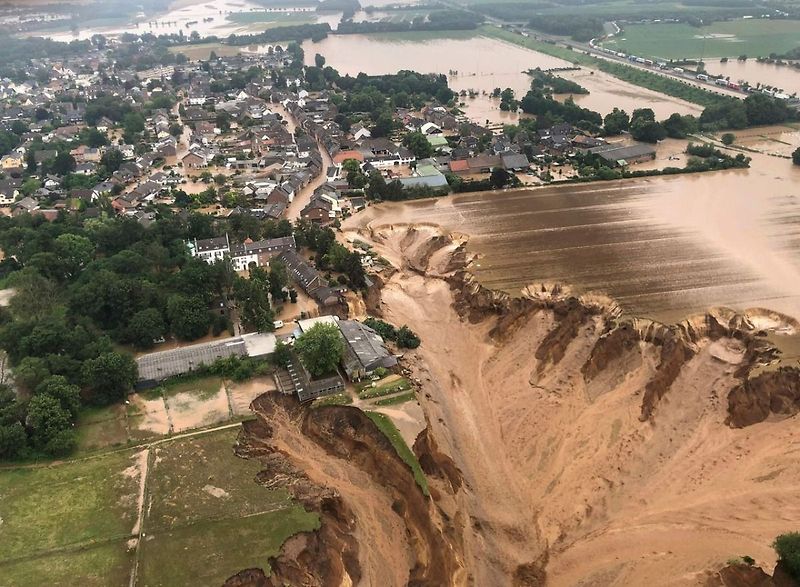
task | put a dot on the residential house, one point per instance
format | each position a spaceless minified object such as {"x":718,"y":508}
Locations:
{"x":365,"y":350}
{"x":310,"y":280}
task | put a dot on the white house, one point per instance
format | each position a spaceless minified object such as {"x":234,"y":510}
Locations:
{"x":430,"y":129}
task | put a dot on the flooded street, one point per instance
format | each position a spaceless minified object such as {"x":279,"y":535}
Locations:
{"x":661,"y":247}
{"x":482,"y":64}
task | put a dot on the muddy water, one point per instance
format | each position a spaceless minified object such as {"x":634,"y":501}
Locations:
{"x":786,"y":78}
{"x":481,"y":64}
{"x":662,"y":247}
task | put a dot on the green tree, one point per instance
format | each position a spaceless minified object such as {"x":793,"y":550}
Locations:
{"x":252,"y":298}
{"x":418,"y":144}
{"x":50,"y":425}
{"x":13,"y":439}
{"x":648,"y":131}
{"x":405,"y":338}
{"x":787,"y":546}
{"x":30,"y":185}
{"x":319,"y":60}
{"x":188,"y":316}
{"x":500,"y":177}
{"x":68,"y":396}
{"x":796,"y":156}
{"x":383,"y":126}
{"x":320,"y":349}
{"x":145,"y":327}
{"x":133,"y":123}
{"x":74,"y":252}
{"x":94,"y":138}
{"x":63,"y":164}
{"x":30,"y":372}
{"x":678,"y":127}
{"x":111,"y":160}
{"x":109,"y":377}
{"x":616,"y":122}
{"x":278,"y":279}
{"x":282,"y":354}
{"x":728,"y":138}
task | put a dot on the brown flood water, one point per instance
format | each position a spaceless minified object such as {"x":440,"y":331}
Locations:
{"x":663,"y":248}
{"x":786,"y":78}
{"x":482,"y":64}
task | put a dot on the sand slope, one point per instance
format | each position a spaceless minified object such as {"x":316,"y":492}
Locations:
{"x":560,"y":473}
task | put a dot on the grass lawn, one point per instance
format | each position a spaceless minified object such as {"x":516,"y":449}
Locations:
{"x":614,"y":9}
{"x":101,"y":427}
{"x":752,"y":37}
{"x":206,"y":519}
{"x":202,"y":388}
{"x":205,"y":501}
{"x":76,"y":503}
{"x":368,"y":392}
{"x":397,"y":399}
{"x":95,"y":566}
{"x":207,"y":553}
{"x":385,"y":424}
{"x":338,"y":399}
{"x":199,"y":478}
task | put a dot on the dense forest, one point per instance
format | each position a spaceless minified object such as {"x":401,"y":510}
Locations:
{"x":87,"y":290}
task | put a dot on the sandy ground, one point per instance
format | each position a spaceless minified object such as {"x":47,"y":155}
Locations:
{"x":151,"y":415}
{"x":384,"y":558}
{"x":5,"y":296}
{"x":408,"y":417}
{"x":555,"y":465}
{"x":187,"y":410}
{"x":242,"y":394}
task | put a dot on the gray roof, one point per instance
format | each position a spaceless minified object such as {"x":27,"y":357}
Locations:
{"x":616,"y":153}
{"x":272,"y":245}
{"x":365,"y":349}
{"x":515,"y":160}
{"x":431,"y":181}
{"x":212,"y":244}
{"x":160,"y":365}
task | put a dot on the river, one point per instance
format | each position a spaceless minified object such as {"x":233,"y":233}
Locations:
{"x":662,"y":247}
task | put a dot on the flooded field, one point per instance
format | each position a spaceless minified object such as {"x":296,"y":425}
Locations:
{"x":482,"y":64}
{"x":661,"y":247}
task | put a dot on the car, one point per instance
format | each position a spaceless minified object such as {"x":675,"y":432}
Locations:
{"x":277,"y":324}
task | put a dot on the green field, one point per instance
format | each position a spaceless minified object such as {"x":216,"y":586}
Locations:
{"x":520,"y":10}
{"x":205,"y":517}
{"x":754,"y":38}
{"x":385,"y":424}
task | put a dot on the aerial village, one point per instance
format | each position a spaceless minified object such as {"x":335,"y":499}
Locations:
{"x":243,"y":140}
